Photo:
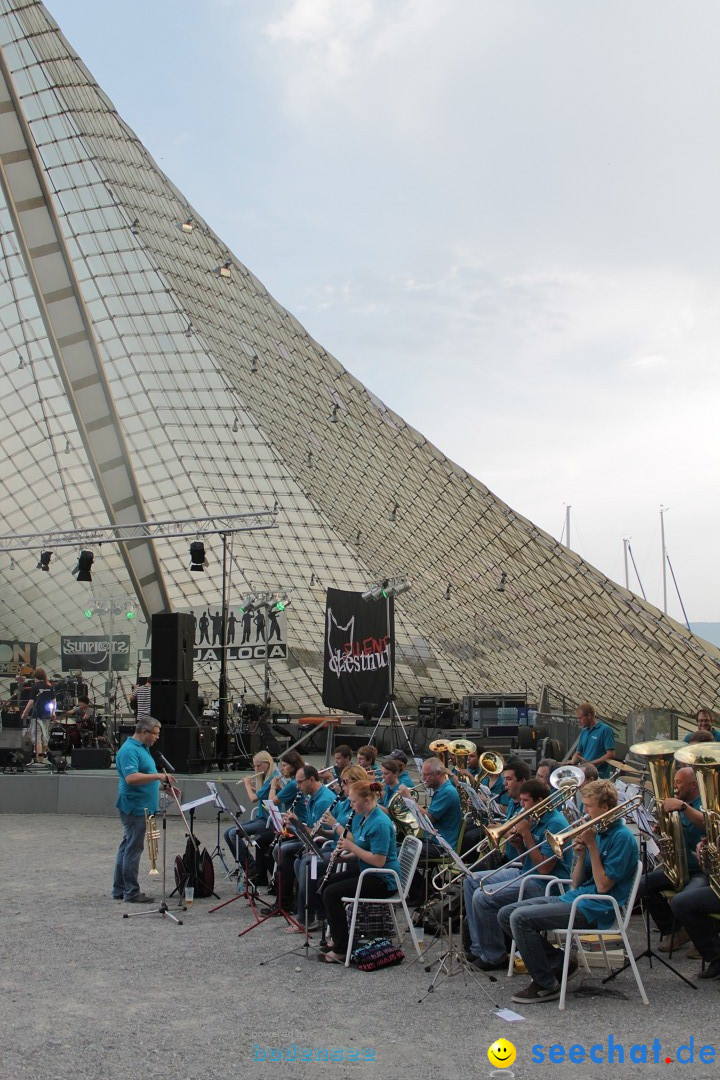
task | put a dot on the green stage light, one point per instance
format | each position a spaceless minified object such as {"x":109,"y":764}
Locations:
{"x":88,"y":613}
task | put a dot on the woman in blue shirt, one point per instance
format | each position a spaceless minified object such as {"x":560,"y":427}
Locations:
{"x":284,"y":794}
{"x":257,"y":789}
{"x":372,"y":841}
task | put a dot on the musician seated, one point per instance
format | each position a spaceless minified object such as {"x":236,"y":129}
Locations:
{"x":545,"y":767}
{"x":663,"y":911}
{"x":705,"y":721}
{"x":487,"y":941}
{"x":693,"y":909}
{"x":318,"y":799}
{"x":606,"y":863}
{"x":264,"y":769}
{"x":372,"y":841}
{"x":390,"y":771}
{"x":366,"y":759}
{"x":444,"y":808}
{"x":283,"y":794}
{"x":405,"y":777}
{"x":331,"y":818}
{"x":596,"y":745}
{"x":343,"y":759}
{"x":699,"y":736}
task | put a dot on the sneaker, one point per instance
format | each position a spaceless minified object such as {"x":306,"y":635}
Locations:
{"x":534,"y":994}
{"x":140,"y":898}
{"x":673,"y":941}
{"x":572,"y":970}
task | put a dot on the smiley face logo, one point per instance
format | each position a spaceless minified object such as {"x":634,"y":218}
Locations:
{"x":501,"y":1054}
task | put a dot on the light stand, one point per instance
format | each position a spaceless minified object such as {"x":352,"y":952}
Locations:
{"x":388,"y":589}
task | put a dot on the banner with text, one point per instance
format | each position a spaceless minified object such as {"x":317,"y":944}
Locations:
{"x":91,"y":653}
{"x":16,"y":656}
{"x":359,"y":645}
{"x":246,"y":632}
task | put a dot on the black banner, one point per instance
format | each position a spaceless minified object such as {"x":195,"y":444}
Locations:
{"x":359,"y":643}
{"x":16,"y":656}
{"x":91,"y":653}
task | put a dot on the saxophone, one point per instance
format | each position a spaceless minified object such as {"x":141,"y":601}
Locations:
{"x":152,"y":836}
{"x":671,"y":838}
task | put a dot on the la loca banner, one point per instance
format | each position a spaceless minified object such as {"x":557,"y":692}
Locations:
{"x":17,"y":655}
{"x":246,"y":633}
{"x":359,"y":644}
{"x":78,"y":653}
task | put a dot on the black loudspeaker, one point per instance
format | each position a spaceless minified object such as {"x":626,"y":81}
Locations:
{"x":188,"y":749}
{"x":91,"y":757}
{"x":14,"y":750}
{"x":174,"y":704}
{"x":124,"y":732}
{"x":173,"y":641}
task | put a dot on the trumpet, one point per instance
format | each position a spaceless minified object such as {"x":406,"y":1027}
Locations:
{"x":152,"y":836}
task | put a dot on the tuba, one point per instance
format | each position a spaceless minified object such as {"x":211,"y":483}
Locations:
{"x":705,"y":760}
{"x":403,"y":820}
{"x":152,"y":836}
{"x":659,"y":755}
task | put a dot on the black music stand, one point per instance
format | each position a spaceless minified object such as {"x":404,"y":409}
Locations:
{"x":302,"y":833}
{"x":249,"y":892}
{"x":648,"y":952}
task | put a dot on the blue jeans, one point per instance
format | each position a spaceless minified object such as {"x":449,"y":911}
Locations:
{"x":487,"y":939}
{"x":127,"y":862}
{"x":236,"y":843}
{"x":525,"y":923}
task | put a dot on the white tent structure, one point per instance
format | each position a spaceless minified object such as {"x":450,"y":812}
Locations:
{"x":147,"y":375}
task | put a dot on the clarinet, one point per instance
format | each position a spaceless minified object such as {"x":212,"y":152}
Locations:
{"x":317,"y":827}
{"x":335,"y":855}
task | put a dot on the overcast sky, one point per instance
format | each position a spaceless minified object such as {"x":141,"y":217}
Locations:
{"x":500,"y":216}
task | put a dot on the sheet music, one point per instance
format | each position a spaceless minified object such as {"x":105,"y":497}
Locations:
{"x":274,"y":815}
{"x":421,"y":817}
{"x":197,"y":802}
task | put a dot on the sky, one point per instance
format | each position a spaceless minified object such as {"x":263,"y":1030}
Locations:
{"x":499,"y":216}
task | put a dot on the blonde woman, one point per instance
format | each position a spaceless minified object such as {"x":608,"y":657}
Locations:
{"x":257,"y":789}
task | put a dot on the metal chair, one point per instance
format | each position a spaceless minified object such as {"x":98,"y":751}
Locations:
{"x":408,"y":857}
{"x":551,"y":882}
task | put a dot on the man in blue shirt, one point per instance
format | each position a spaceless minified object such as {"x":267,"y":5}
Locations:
{"x":318,"y":799}
{"x":704,"y":719}
{"x":606,"y":863}
{"x":596,"y":744}
{"x":692,"y":819}
{"x":138,"y":791}
{"x":487,"y":940}
{"x":444,"y":809}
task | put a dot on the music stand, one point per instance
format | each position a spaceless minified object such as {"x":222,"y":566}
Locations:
{"x":648,"y":952}
{"x":302,"y":833}
{"x":249,"y":891}
{"x":163,"y":910}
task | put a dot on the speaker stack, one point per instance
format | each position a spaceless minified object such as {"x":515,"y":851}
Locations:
{"x":174,"y":694}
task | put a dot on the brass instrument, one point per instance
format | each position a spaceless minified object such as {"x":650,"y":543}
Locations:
{"x":557,"y":841}
{"x":660,"y":758}
{"x":442,"y":749}
{"x":568,"y":776}
{"x":402,"y":818}
{"x":490,"y":764}
{"x":461,"y":749}
{"x":705,"y":760}
{"x":152,"y":837}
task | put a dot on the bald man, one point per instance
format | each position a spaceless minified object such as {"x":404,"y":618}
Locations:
{"x":663,"y":912}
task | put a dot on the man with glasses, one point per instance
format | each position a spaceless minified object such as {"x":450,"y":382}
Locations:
{"x":138,"y":792}
{"x":318,"y":799}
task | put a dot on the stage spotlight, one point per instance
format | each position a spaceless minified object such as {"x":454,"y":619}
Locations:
{"x":198,"y":562}
{"x":44,"y":564}
{"x":82,"y":570}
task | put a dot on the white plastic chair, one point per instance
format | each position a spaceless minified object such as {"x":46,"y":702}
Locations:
{"x":622,"y":919}
{"x":551,"y":882}
{"x":408,"y":857}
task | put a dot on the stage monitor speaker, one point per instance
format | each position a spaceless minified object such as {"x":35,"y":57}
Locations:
{"x":173,"y":642}
{"x":14,"y":750}
{"x":174,"y":704}
{"x":124,"y":732}
{"x":188,"y":749}
{"x":90,"y":757}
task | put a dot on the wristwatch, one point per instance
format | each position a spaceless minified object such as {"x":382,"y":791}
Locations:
{"x":684,"y":807}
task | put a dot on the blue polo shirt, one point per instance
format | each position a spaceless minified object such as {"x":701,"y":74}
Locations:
{"x":133,"y":757}
{"x":594,"y":742}
{"x":552,"y":822}
{"x":287,"y":795}
{"x":263,"y":792}
{"x":713,"y":731}
{"x":692,"y":834}
{"x":388,"y":794}
{"x":406,"y":779}
{"x":619,"y":856}
{"x":497,"y":789}
{"x":376,"y":834}
{"x":321,"y":801}
{"x":445,"y":811}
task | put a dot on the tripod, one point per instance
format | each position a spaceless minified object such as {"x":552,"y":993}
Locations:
{"x":163,"y":910}
{"x":390,"y":707}
{"x":249,"y":891}
{"x":648,"y":951}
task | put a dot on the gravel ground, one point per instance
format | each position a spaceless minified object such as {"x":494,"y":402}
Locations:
{"x":86,"y":992}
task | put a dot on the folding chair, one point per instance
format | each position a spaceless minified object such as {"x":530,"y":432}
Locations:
{"x":408,"y":857}
{"x":551,"y":882}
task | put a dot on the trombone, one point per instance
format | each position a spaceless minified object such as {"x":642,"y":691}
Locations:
{"x":496,"y":835}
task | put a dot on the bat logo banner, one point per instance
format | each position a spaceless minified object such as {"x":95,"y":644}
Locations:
{"x":359,"y":647}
